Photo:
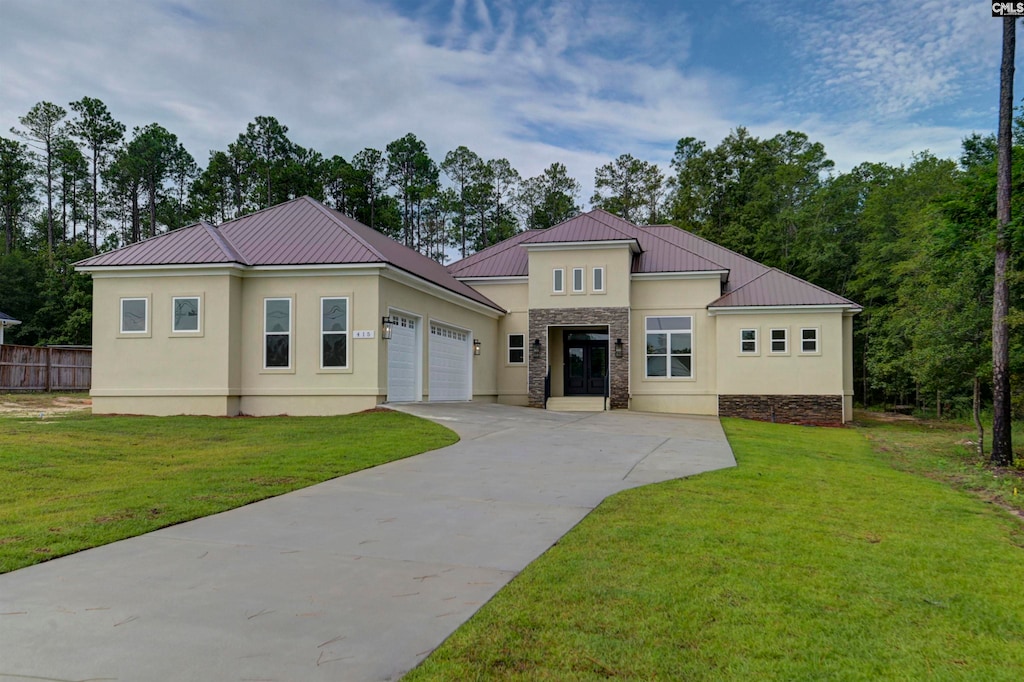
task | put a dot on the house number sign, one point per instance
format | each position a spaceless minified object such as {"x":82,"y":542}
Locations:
{"x":363,"y":334}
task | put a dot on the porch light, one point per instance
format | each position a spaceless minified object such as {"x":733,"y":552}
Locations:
{"x":476,"y":346}
{"x":386,"y":324}
{"x":618,"y":348}
{"x":536,"y":348}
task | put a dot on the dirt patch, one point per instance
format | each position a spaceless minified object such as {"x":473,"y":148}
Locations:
{"x":42,"y":404}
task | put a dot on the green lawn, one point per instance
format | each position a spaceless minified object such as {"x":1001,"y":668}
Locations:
{"x":75,"y":482}
{"x":819,"y":557}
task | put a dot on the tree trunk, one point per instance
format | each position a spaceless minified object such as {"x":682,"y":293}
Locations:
{"x":938,"y":404}
{"x":977,"y":416}
{"x":1002,"y":447}
{"x":95,"y":201}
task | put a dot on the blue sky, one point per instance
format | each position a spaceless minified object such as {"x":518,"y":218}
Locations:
{"x":536,"y":82}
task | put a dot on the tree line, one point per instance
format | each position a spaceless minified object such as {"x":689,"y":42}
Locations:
{"x":912,"y":243}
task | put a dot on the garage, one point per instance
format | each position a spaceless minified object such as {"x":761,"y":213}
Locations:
{"x":451,"y":358}
{"x":403,"y":360}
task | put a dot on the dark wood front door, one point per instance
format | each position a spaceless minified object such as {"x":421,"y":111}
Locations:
{"x":586,"y":363}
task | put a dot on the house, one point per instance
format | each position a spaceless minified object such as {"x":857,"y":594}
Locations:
{"x":5,"y":322}
{"x":299,"y":309}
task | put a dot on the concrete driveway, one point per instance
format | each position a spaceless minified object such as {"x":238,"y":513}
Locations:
{"x":358,"y":578}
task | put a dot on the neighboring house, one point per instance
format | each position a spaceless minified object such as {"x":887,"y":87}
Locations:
{"x":282,"y":311}
{"x":5,"y":322}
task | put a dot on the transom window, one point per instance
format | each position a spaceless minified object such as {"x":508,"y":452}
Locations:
{"x":277,"y":333}
{"x":780,"y":342}
{"x":748,"y":341}
{"x":598,"y":279}
{"x":669,"y":347}
{"x":134,"y":315}
{"x":809,"y":340}
{"x":558,"y":281}
{"x":577,"y":280}
{"x":333,"y":333}
{"x":186,"y":313}
{"x":516,"y":349}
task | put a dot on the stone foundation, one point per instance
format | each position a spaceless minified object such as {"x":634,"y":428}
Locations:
{"x":617,"y":321}
{"x":826,"y":410}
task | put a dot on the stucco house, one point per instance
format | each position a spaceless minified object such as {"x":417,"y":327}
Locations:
{"x":299,"y":309}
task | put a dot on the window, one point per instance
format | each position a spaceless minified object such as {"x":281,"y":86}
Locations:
{"x":277,"y":333}
{"x":809,"y":340}
{"x":779,"y":342}
{"x":577,"y":280}
{"x":670,"y":347}
{"x":748,"y":341}
{"x":598,"y":279}
{"x":134,"y":315}
{"x":186,"y":313}
{"x":558,"y":279}
{"x":516,"y":349}
{"x":333,"y":333}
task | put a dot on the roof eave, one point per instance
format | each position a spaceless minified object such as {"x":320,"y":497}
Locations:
{"x":846,"y":308}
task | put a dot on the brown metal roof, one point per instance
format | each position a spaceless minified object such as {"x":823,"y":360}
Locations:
{"x":777,"y":288}
{"x":664,"y":249}
{"x":298,"y":232}
{"x":198,"y":244}
{"x":4,"y":317}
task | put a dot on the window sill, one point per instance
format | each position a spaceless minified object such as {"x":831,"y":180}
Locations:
{"x":134,"y":335}
{"x":335,"y":370}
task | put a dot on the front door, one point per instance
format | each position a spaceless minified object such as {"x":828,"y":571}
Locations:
{"x":586,"y":363}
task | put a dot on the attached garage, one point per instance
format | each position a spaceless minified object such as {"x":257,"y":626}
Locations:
{"x":404,"y":359}
{"x":451,"y":363}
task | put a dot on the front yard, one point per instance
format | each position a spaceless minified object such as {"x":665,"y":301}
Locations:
{"x":818,"y":557}
{"x":69,"y":482}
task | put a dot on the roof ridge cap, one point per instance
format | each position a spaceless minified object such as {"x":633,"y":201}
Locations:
{"x":223,"y":243}
{"x":336,"y":218}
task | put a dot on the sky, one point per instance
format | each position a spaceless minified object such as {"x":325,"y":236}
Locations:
{"x":577,"y":81}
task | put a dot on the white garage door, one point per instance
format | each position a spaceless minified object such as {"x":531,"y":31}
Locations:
{"x":403,"y":360}
{"x":450,"y":364}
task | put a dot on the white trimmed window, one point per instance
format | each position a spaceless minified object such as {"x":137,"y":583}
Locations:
{"x":185,"y":311}
{"x":277,"y":333}
{"x":333,"y":332}
{"x":809,"y":340}
{"x":780,"y":340}
{"x":748,"y":341}
{"x":558,"y":281}
{"x":598,"y":279}
{"x":577,"y":280}
{"x":516,"y":349}
{"x":134,"y":315}
{"x":669,"y":347}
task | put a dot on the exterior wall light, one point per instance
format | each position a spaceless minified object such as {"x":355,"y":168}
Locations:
{"x":476,"y":346}
{"x":386,"y":324}
{"x":618,"y":348}
{"x":536,"y":348}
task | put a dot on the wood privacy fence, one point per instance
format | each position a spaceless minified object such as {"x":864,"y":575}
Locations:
{"x":48,"y":368}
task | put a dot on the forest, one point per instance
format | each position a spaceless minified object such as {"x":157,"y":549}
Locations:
{"x":913,"y":243}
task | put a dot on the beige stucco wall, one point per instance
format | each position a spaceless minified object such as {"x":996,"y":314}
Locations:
{"x":792,"y":373}
{"x":513,"y":297}
{"x":670,"y":298}
{"x":160,"y":363}
{"x":401,"y":296}
{"x":616,"y":260}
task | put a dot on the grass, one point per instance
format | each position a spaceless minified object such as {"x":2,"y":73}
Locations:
{"x":816,"y":558}
{"x":75,"y":482}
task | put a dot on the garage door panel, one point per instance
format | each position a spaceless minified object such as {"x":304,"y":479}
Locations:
{"x":403,"y":360}
{"x":450,"y":360}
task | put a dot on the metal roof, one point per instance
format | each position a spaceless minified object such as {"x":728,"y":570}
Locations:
{"x":777,"y":288}
{"x":663,"y":249}
{"x":7,"y":320}
{"x":298,"y":232}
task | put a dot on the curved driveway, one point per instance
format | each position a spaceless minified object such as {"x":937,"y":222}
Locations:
{"x":357,"y":578}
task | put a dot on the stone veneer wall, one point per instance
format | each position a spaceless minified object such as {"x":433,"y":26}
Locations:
{"x":786,"y":409}
{"x":617,"y":320}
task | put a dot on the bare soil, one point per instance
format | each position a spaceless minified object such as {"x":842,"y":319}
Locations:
{"x":43,"y":404}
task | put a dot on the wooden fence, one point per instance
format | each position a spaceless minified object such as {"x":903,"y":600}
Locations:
{"x":48,"y":368}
